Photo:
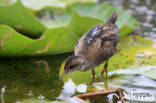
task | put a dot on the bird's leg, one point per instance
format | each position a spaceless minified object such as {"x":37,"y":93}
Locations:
{"x":93,"y":76}
{"x":106,"y":83}
{"x":105,"y":69}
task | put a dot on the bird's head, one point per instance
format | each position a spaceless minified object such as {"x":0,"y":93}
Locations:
{"x":73,"y":63}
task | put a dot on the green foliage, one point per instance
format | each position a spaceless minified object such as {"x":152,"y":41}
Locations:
{"x":68,"y":24}
{"x":54,"y":40}
{"x":61,"y":17}
{"x":16,"y":16}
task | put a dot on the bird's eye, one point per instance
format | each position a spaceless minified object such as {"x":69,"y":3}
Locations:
{"x":71,"y":67}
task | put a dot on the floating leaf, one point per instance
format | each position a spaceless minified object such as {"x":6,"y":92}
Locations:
{"x":54,"y":40}
{"x":60,"y":17}
{"x":126,"y":57}
{"x":16,"y":16}
{"x":12,"y":42}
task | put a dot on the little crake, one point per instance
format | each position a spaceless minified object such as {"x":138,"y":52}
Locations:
{"x":95,"y":47}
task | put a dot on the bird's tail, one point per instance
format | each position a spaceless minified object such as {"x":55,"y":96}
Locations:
{"x":112,"y":19}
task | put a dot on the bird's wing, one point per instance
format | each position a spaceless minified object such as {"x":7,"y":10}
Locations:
{"x":92,"y":44}
{"x":87,"y":40}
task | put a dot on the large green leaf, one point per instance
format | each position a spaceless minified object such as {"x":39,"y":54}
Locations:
{"x":11,"y":41}
{"x":16,"y":16}
{"x":55,"y":40}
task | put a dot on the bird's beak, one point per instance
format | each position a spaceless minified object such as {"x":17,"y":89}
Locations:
{"x":62,"y":75}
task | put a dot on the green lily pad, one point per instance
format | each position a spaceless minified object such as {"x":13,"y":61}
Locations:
{"x":12,"y":41}
{"x":34,"y":100}
{"x":17,"y":16}
{"x":60,"y":17}
{"x":53,"y":40}
{"x":126,"y":57}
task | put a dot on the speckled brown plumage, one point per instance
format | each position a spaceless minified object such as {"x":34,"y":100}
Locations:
{"x":99,"y":44}
{"x":94,"y":47}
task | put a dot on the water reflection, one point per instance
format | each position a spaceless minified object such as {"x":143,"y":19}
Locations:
{"x":140,"y":89}
{"x":70,"y":89}
{"x":31,"y":78}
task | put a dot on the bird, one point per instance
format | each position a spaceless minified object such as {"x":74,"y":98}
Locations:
{"x":95,"y":47}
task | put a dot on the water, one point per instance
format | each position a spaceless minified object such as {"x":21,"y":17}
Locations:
{"x":29,"y":80}
{"x":143,"y":11}
{"x":24,"y":78}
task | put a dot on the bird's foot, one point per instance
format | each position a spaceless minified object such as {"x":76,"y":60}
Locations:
{"x":91,"y":83}
{"x":104,"y":76}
